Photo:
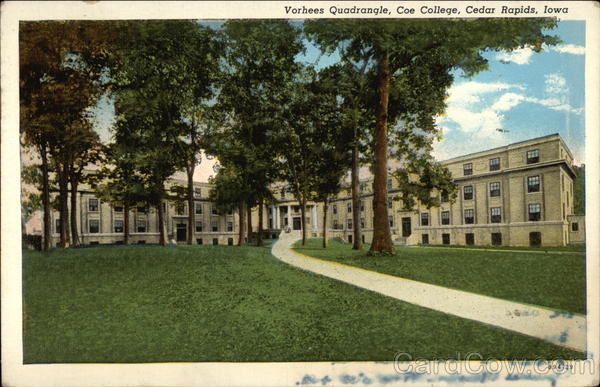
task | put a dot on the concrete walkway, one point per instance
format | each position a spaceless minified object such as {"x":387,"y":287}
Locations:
{"x":560,"y":328}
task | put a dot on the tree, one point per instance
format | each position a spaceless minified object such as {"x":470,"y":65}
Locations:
{"x":579,"y":190}
{"x":252,"y":99}
{"x":229,"y":193}
{"x":431,"y":50}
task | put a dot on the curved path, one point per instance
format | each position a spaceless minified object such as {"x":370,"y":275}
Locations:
{"x":560,"y":328}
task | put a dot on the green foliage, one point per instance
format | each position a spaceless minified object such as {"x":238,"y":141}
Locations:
{"x":579,"y":190}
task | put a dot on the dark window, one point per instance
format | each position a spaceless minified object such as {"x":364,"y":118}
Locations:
{"x":390,"y":203}
{"x":180,"y":209}
{"x":445,"y":217}
{"x":363,"y":187}
{"x":118,"y":225}
{"x":141,"y":225}
{"x":533,"y":184}
{"x":425,"y":219}
{"x":199,"y":241}
{"x":363,"y":238}
{"x":362,"y":222}
{"x":296,"y":208}
{"x":533,"y":156}
{"x":57,"y":226}
{"x":215,"y":241}
{"x":444,"y":197}
{"x":468,"y":192}
{"x":470,"y":238}
{"x":119,"y":242}
{"x":391,"y":220}
{"x":143,"y":208}
{"x":142,"y":242}
{"x":229,"y":226}
{"x":495,"y":215}
{"x":335,"y":224}
{"x":215,"y":225}
{"x":362,"y":206}
{"x":94,"y":243}
{"x":495,"y":164}
{"x":350,"y":238}
{"x":283,"y":193}
{"x":534,"y":211}
{"x":468,"y":169}
{"x":270,"y":223}
{"x":214,"y":211}
{"x":425,"y":239}
{"x":446,"y":239}
{"x":118,"y":208}
{"x":496,"y":238}
{"x":469,"y":217}
{"x":494,"y":189}
{"x":197,"y":192}
{"x":349,"y":207}
{"x":92,"y":205}
{"x":535,"y":238}
{"x":198,"y":226}
{"x":349,"y":224}
{"x":198,"y":208}
{"x":334,"y":209}
{"x":389,"y":183}
{"x":230,"y":241}
{"x":94,"y":226}
{"x":575,"y":226}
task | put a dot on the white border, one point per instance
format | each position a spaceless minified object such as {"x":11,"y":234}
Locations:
{"x":14,"y":373}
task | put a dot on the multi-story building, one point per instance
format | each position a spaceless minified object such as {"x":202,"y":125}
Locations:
{"x":519,"y":194}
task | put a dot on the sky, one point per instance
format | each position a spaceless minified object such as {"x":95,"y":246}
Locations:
{"x":523,"y":93}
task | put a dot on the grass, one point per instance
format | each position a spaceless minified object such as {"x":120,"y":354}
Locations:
{"x":550,"y":280}
{"x":227,"y":303}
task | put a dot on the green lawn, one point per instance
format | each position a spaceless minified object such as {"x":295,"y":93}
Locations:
{"x":551,"y":280}
{"x":228,"y":303}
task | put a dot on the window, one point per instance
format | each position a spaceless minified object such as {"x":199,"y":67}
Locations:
{"x":362,"y":187}
{"x":335,"y":224}
{"x":349,"y":207}
{"x":142,"y":209}
{"x":468,"y":192}
{"x":496,"y":238}
{"x":57,"y":226}
{"x":444,"y":197}
{"x":296,"y":208}
{"x":467,"y":169}
{"x":197,"y":192}
{"x":575,"y":226}
{"x":215,"y":241}
{"x":214,"y":211}
{"x":349,"y":238}
{"x":389,"y":183}
{"x":198,"y":208}
{"x":425,"y":219}
{"x":470,"y":238}
{"x":495,"y":215}
{"x":92,"y":205}
{"x":533,"y":156}
{"x":445,"y":217}
{"x":391,"y":221}
{"x":283,"y":193}
{"x":229,"y":241}
{"x":230,"y":226}
{"x":118,"y":208}
{"x":495,"y":164}
{"x":446,"y":239}
{"x":141,"y":225}
{"x":469,"y":217}
{"x":199,"y":226}
{"x":425,"y":239}
{"x":199,"y":241}
{"x":215,"y":225}
{"x":94,"y":226}
{"x":533,"y":184}
{"x":362,"y":206}
{"x":349,"y":224}
{"x":118,"y":225}
{"x":180,"y":208}
{"x":494,"y":189}
{"x":534,"y":212}
{"x":390,"y":203}
{"x":535,"y":238}
{"x":362,"y":222}
{"x":334,"y":209}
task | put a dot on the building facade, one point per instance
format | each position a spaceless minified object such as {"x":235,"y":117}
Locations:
{"x":517,"y":195}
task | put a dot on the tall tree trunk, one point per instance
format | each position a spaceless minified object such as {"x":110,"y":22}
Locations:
{"x":259,"y":241}
{"x":74,"y":233}
{"x":303,"y":217}
{"x":63,"y":193}
{"x":325,"y":209}
{"x":242,"y":216}
{"x":382,"y":238}
{"x":249,"y":213}
{"x":161,"y":224}
{"x":191,"y":209}
{"x":357,"y":242}
{"x":125,"y":223}
{"x":45,"y":198}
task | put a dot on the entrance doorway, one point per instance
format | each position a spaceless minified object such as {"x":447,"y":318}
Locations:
{"x":406,"y":231}
{"x":297,"y":223}
{"x":181,"y":232}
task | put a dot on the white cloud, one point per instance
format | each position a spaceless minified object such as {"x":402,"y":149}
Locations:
{"x":519,"y":56}
{"x":569,"y":49}
{"x":555,"y":84}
